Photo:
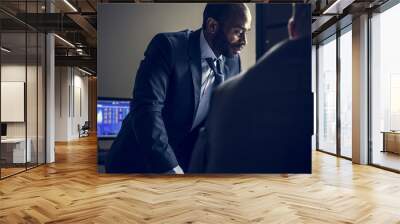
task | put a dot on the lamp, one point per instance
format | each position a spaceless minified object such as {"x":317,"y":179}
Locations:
{"x":70,"y":5}
{"x":84,"y":71}
{"x":5,"y":50}
{"x":64,"y":40}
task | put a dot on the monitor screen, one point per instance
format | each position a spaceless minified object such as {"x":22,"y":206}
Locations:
{"x":3,"y":129}
{"x":110,"y":114}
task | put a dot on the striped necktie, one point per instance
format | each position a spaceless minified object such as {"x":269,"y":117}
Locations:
{"x":218,"y":74}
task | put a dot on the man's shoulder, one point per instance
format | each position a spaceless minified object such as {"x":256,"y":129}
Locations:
{"x":175,"y":36}
{"x":290,"y":48}
{"x":281,"y":53}
{"x":170,"y":42}
{"x":228,"y":87}
{"x":173,"y":41}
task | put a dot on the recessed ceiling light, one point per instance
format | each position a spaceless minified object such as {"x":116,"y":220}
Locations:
{"x":337,"y":7}
{"x":84,"y":71}
{"x":5,"y":50}
{"x":332,"y":8}
{"x":65,"y":41}
{"x":70,"y":5}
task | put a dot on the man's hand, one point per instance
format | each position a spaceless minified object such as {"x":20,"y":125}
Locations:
{"x":176,"y":170}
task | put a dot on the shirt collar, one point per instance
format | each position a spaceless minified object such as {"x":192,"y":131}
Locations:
{"x":206,"y":51}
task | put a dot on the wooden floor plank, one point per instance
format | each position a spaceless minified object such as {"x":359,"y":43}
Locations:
{"x":71,"y":191}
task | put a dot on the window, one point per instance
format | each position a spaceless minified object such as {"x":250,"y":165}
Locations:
{"x":346,"y":92}
{"x":385,"y":88}
{"x":327,"y":96}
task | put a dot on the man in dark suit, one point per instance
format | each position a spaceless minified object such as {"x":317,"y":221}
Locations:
{"x":261,"y":121}
{"x":172,"y":91}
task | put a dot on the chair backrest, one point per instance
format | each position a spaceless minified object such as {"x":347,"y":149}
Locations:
{"x":86,"y":125}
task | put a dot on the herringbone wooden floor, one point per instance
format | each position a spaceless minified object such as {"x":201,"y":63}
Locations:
{"x":71,"y":191}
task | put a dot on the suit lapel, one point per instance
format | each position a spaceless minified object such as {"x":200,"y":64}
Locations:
{"x":195,"y":66}
{"x":226,"y":68}
{"x":231,"y":66}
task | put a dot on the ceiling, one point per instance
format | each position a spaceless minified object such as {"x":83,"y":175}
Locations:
{"x":76,"y":22}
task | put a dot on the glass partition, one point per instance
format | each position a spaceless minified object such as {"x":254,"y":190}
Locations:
{"x":31,"y":100}
{"x":41,"y":87}
{"x":346,"y":93}
{"x":22,"y":88}
{"x":14,"y":153}
{"x":327,"y":95}
{"x":314,"y":90}
{"x":385,"y":89}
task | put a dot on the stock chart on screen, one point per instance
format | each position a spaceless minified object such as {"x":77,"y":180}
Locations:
{"x":110,"y":114}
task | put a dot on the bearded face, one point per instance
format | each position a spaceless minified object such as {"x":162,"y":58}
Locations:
{"x":230,"y":37}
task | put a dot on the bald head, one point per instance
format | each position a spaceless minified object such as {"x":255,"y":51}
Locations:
{"x":223,"y":12}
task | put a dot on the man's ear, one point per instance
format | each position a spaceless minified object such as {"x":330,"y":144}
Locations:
{"x":212,"y":25}
{"x":292,"y":29}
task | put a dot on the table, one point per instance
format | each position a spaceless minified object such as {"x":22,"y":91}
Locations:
{"x":13,"y":150}
{"x":391,"y":141}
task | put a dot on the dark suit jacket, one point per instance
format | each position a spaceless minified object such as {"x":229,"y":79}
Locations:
{"x":156,"y":136}
{"x":262,"y":121}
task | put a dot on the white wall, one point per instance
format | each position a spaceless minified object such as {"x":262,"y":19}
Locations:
{"x":61,"y":103}
{"x":17,"y":72}
{"x":13,"y":72}
{"x":79,"y":117}
{"x":124,"y":31}
{"x":70,"y":83}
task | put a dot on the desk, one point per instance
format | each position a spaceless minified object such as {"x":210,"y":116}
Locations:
{"x":391,"y":141}
{"x":15,"y":148}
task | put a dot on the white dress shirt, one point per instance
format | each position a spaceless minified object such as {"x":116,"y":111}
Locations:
{"x":206,"y":52}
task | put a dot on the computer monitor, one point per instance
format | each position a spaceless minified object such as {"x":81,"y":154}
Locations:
{"x":3,"y":129}
{"x":110,"y":114}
